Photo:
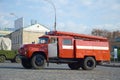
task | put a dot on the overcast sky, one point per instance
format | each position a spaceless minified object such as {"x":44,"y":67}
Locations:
{"x":79,"y":16}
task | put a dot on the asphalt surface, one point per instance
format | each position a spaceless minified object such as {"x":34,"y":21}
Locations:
{"x":15,"y":71}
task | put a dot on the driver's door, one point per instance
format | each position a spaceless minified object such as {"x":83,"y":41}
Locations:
{"x":53,"y":48}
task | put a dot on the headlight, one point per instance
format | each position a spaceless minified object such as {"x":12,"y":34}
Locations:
{"x":23,"y":51}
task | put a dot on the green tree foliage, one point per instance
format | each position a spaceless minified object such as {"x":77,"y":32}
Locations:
{"x":119,"y":54}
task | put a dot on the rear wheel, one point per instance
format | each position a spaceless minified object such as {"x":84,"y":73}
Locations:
{"x":88,"y":63}
{"x":38,"y":61}
{"x":16,"y":59}
{"x":2,"y":59}
{"x":74,"y":66}
{"x":26,"y":63}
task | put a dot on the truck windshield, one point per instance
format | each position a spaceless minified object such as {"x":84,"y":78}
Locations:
{"x":43,"y":40}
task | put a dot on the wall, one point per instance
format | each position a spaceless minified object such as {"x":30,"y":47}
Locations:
{"x":17,"y":39}
{"x":29,"y":37}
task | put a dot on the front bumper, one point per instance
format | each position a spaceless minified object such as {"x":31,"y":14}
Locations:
{"x":22,"y":57}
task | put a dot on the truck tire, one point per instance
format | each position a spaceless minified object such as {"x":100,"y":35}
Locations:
{"x":74,"y":66}
{"x":88,"y":63}
{"x":2,"y":59}
{"x":16,"y":59}
{"x":26,"y":63}
{"x":38,"y":61}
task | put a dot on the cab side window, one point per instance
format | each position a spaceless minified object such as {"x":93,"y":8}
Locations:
{"x":53,"y":40}
{"x":67,"y":42}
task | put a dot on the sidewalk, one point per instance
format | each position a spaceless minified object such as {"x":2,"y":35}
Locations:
{"x":112,"y":64}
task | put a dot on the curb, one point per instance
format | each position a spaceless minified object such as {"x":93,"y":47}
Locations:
{"x":111,"y":65}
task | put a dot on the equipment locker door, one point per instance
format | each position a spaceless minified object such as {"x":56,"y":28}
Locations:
{"x":66,"y":47}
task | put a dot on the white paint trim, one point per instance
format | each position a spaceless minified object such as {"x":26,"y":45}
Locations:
{"x":86,"y":47}
{"x":67,"y":47}
{"x":93,"y":47}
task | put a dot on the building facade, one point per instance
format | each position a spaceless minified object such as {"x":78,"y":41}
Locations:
{"x":27,"y":35}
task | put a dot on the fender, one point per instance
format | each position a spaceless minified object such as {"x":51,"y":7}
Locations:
{"x":32,"y":50}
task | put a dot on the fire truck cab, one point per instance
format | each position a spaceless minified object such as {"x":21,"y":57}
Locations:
{"x":76,"y":50}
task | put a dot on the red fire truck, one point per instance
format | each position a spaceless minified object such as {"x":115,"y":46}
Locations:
{"x":76,"y":50}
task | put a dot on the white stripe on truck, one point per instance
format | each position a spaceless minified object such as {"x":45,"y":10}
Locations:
{"x":93,"y":47}
{"x":86,"y":47}
{"x":67,"y":47}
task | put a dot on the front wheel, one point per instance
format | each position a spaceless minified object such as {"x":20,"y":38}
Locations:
{"x":38,"y":61}
{"x":88,"y":63}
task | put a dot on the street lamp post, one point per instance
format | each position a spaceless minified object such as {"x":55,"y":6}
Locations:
{"x":54,"y":11}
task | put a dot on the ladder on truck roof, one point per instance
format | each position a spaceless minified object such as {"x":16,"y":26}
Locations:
{"x":77,"y":36}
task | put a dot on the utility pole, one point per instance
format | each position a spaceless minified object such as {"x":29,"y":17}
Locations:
{"x":54,"y":12}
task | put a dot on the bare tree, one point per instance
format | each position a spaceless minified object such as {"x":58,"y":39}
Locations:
{"x":105,"y":33}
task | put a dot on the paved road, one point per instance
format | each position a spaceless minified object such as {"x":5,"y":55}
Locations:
{"x":14,"y":71}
